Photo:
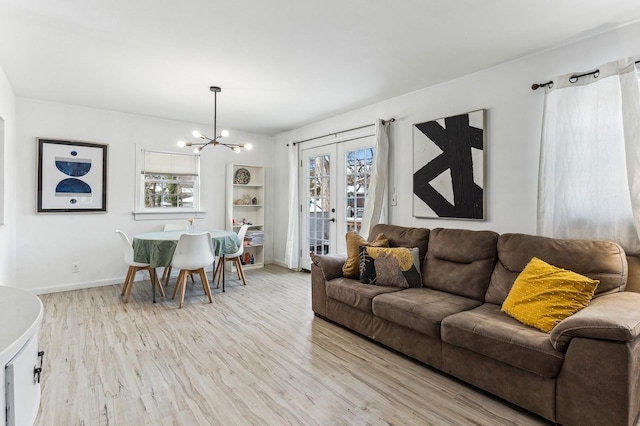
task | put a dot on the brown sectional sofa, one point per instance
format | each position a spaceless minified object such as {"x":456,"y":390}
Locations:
{"x":585,"y":372}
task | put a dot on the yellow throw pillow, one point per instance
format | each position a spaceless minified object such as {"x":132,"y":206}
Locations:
{"x":543,"y":295}
{"x":351,"y":268}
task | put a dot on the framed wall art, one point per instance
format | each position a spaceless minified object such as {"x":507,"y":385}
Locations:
{"x":449,"y":167}
{"x":72,"y":176}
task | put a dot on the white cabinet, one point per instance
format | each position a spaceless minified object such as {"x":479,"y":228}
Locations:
{"x":245,"y":204}
{"x":21,"y":316}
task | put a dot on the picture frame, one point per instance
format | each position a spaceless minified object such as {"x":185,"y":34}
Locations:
{"x":72,"y":176}
{"x":449,"y":167}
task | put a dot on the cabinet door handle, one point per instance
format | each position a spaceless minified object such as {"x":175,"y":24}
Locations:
{"x":36,"y":374}
{"x":41,"y":357}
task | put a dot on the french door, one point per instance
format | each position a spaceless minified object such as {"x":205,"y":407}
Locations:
{"x":334,"y":180}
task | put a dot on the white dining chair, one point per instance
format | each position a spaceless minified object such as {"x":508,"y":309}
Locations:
{"x":134,"y":267}
{"x":233,"y":257}
{"x":176,"y":226}
{"x":193,"y":253}
{"x":166,"y":274}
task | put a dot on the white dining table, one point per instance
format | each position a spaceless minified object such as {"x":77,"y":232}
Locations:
{"x":156,"y":248}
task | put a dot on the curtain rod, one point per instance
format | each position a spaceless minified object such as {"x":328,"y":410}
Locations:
{"x":355,"y":138}
{"x":572,"y":79}
{"x":391,"y":120}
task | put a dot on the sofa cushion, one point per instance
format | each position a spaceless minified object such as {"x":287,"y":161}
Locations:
{"x":488,"y":331}
{"x":390,"y":266}
{"x":354,"y":293}
{"x":420,"y":309}
{"x":544,"y":295}
{"x":599,"y":260}
{"x":402,"y":236}
{"x":351,"y":267}
{"x":460,"y":261}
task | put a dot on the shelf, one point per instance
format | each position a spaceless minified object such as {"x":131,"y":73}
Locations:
{"x":253,"y":190}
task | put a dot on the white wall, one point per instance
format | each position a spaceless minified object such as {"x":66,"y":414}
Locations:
{"x":8,"y":183}
{"x":47,"y":244}
{"x":39,"y":249}
{"x":514,"y":117}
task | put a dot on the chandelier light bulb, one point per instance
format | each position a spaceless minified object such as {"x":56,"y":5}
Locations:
{"x":248,"y":146}
{"x":196,"y":134}
{"x":182,"y":144}
{"x":196,"y":150}
{"x":236,"y":149}
{"x":224,"y":133}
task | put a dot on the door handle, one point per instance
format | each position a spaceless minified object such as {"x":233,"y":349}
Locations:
{"x":333,"y":219}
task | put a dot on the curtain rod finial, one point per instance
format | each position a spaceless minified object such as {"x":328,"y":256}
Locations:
{"x":536,"y":86}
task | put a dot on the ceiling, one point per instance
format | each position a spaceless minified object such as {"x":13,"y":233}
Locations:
{"x":281,"y":64}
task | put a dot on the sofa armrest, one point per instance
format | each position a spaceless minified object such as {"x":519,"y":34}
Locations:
{"x":330,"y":264}
{"x":610,"y":317}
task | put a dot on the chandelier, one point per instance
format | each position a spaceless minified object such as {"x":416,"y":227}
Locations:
{"x":217,"y":136}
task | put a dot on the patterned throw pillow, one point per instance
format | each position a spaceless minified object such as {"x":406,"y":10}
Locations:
{"x":351,"y":268}
{"x":395,"y":267}
{"x":543,"y":295}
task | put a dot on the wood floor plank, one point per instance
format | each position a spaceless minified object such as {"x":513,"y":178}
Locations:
{"x":255,"y":356}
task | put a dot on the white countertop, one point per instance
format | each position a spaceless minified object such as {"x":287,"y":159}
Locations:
{"x":20,"y":313}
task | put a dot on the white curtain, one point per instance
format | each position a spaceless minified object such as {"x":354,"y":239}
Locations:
{"x":375,"y":204}
{"x":589,"y":177}
{"x":292,"y":257}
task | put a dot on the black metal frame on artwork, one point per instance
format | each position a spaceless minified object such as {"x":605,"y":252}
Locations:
{"x":72,"y":176}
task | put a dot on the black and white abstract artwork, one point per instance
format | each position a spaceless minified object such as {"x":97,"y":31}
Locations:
{"x":448,"y":167}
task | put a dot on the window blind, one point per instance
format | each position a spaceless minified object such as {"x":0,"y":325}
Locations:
{"x":170,"y":163}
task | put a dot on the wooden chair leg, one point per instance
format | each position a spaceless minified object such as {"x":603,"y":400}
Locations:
{"x":175,"y":288}
{"x":218,"y":272}
{"x":166,"y":275}
{"x":205,"y":284}
{"x":244,"y":279}
{"x":126,"y":281}
{"x":184,"y":288}
{"x":129,"y":283}
{"x":157,"y":281}
{"x":238,"y":264}
{"x":240,"y":270}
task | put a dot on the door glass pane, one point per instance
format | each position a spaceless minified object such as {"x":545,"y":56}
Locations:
{"x":358,"y":167}
{"x":318,"y":204}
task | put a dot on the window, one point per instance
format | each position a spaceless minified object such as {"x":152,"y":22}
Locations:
{"x":168,"y":182}
{"x":358,"y":167}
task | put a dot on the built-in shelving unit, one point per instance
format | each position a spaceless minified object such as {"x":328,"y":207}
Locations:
{"x":245,"y":204}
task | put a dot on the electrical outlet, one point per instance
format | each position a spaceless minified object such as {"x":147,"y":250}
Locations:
{"x":75,"y":267}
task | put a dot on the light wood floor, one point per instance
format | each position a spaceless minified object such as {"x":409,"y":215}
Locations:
{"x":256,"y":356}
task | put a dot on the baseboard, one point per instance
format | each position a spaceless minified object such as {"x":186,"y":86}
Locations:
{"x":111,"y":281}
{"x":77,"y":286}
{"x":278,"y":263}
